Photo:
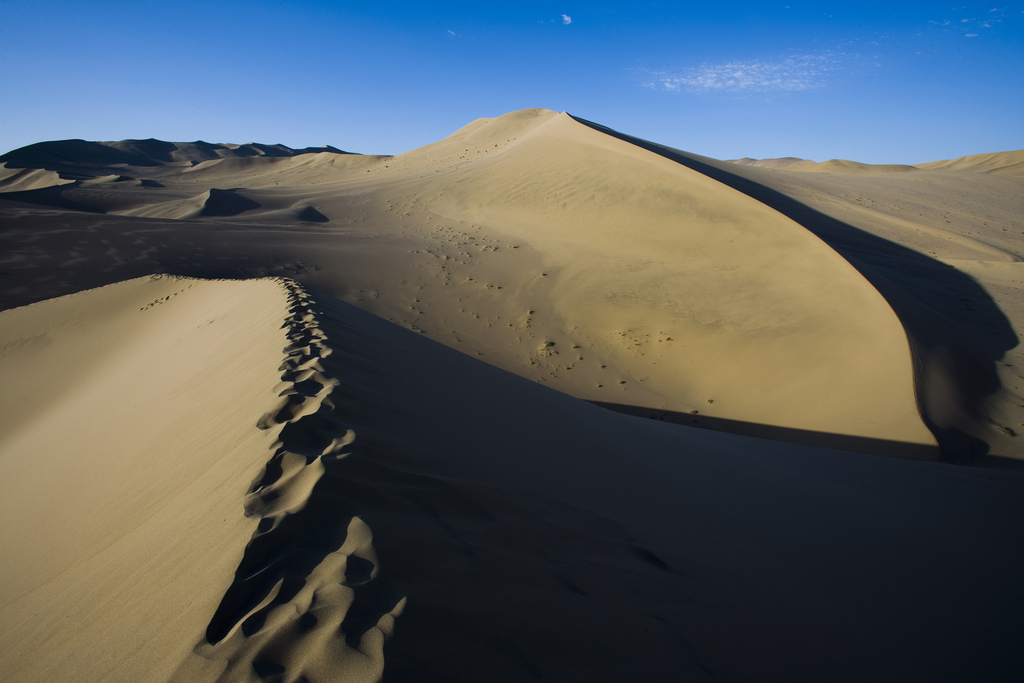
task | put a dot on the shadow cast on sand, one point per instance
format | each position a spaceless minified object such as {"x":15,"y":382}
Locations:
{"x":804,"y":437}
{"x":954,"y":365}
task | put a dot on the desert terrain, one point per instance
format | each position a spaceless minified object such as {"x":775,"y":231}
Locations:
{"x":541,"y":400}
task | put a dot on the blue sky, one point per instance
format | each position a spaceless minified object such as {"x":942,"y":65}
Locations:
{"x":876,"y":82}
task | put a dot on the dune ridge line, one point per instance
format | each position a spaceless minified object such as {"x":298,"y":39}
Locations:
{"x":289,"y":611}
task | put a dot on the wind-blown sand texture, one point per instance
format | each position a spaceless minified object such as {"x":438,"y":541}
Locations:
{"x":207,"y":479}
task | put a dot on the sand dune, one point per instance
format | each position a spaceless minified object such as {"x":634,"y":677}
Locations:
{"x":910,"y":234}
{"x":128,"y":427}
{"x":507,"y":240}
{"x":1000,"y":163}
{"x":847,"y":167}
{"x":691,"y":295}
{"x":490,"y":411}
{"x":381,"y":502}
{"x":20,"y":179}
{"x":534,"y":202}
{"x":141,"y":153}
{"x":782,"y":162}
{"x":213,"y":202}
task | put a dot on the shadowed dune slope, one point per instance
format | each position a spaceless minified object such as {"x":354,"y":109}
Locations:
{"x":142,"y":153}
{"x":82,"y":159}
{"x":213,"y":202}
{"x":225,"y":515}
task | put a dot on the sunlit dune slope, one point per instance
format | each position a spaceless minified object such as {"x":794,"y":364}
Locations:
{"x":943,"y":244}
{"x":20,"y":179}
{"x":686,"y":285}
{"x":126,"y":442}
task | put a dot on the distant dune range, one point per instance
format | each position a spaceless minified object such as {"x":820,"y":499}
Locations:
{"x":999,"y":163}
{"x":651,"y":449}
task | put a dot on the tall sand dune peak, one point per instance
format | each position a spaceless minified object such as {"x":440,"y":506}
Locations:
{"x":642,"y":249}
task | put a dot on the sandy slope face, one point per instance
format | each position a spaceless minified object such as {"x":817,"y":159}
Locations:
{"x":162,"y":508}
{"x":948,"y":242}
{"x":20,"y":179}
{"x":126,"y":446}
{"x":709,"y":299}
{"x":539,"y":245}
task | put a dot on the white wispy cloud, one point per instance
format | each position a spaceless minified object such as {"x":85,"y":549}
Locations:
{"x":984,"y":22}
{"x":566,"y":19}
{"x":971,"y":35}
{"x":797,"y":72}
{"x":451,"y":32}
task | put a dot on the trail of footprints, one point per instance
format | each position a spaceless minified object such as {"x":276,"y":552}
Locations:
{"x":304,"y":447}
{"x":165,"y":299}
{"x":306,"y":603}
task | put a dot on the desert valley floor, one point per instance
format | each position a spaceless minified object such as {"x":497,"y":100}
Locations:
{"x":539,"y":401}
